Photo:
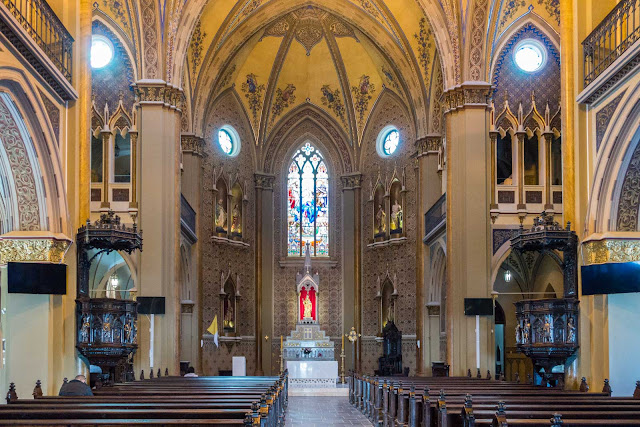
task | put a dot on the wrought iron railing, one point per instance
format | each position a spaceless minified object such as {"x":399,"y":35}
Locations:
{"x":611,"y":38}
{"x":44,"y":27}
{"x":435,"y":215}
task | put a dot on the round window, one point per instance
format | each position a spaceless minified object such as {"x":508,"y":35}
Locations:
{"x":388,"y":141}
{"x":530,"y":55}
{"x":229,"y":141}
{"x":101,"y":51}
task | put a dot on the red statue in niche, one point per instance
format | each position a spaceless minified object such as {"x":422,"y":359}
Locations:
{"x":307,"y":288}
{"x":308,"y":304}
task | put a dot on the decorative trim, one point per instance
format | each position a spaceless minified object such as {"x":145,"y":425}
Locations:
{"x":603,"y":117}
{"x":192,"y":144}
{"x":313,"y":382}
{"x":33,"y":249}
{"x":157,"y":91}
{"x":351,"y":181}
{"x":54,"y":114}
{"x":477,"y":40}
{"x":500,"y":236}
{"x":610,"y":250}
{"x":231,"y":242}
{"x":629,"y":201}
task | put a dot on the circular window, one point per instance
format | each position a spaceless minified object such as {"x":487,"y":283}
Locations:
{"x":388,"y":141}
{"x":229,"y":140}
{"x":530,"y":55}
{"x":101,"y":52}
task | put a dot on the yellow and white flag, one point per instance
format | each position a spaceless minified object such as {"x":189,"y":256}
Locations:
{"x":213,"y":330}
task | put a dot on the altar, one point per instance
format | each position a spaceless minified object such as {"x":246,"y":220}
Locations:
{"x":307,"y":351}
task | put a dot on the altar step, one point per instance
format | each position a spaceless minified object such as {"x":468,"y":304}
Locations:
{"x":339,"y":390}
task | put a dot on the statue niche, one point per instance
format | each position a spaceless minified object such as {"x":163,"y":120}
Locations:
{"x":391,"y":361}
{"x":229,"y":294}
{"x":396,"y":221}
{"x":387,"y":295}
{"x":379,"y":214}
{"x":222,"y":208}
{"x":237,"y":199}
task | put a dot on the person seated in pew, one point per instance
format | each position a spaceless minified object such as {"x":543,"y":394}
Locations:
{"x":191,"y":372}
{"x":76,"y":387}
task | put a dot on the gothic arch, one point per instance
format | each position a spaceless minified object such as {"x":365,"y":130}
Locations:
{"x":120,"y":40}
{"x":43,"y":152}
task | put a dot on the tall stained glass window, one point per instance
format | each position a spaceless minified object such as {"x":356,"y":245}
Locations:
{"x":308,"y":203}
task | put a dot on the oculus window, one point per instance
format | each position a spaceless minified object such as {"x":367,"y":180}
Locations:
{"x":308,"y":203}
{"x":101,"y":51}
{"x":387,"y":141}
{"x":530,"y":55}
{"x":229,"y":141}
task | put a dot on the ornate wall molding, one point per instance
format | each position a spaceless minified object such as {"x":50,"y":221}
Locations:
{"x":603,"y":117}
{"x":15,"y":247}
{"x":467,"y":96}
{"x":610,"y":250}
{"x":351,"y":181}
{"x":192,"y":144}
{"x":629,"y":202}
{"x":150,"y":37}
{"x":477,"y":40}
{"x":264,"y":181}
{"x":429,"y":144}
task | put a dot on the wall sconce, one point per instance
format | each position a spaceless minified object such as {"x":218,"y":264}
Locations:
{"x":507,"y":276}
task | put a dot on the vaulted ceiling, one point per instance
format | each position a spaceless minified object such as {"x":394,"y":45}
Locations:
{"x":337,"y":55}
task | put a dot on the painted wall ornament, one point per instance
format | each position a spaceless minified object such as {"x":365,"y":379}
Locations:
{"x":284,"y":98}
{"x":362,"y":94}
{"x":552,"y":7}
{"x":254,"y":93}
{"x":424,"y":46}
{"x":196,"y":46}
{"x":333,"y":100}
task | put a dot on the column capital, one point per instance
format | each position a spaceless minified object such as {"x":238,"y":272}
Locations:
{"x":264,"y":181}
{"x":467,"y":95}
{"x":192,"y":144}
{"x":351,"y":181}
{"x":429,"y":144}
{"x":158,"y":92}
{"x":25,"y":246}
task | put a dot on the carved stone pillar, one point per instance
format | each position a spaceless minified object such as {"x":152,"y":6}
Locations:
{"x":158,"y":125}
{"x":263,"y":184}
{"x":468,"y":224}
{"x":353,"y":182}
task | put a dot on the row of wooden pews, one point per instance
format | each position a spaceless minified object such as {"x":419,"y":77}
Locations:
{"x":158,"y":402}
{"x":468,"y":402}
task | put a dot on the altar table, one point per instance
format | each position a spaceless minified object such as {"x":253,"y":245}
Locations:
{"x":312,"y":373}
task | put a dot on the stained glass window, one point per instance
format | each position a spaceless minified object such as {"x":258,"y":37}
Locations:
{"x":308,"y":203}
{"x":225,"y":141}
{"x":391,"y":142}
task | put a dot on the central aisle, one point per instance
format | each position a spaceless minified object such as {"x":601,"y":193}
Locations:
{"x":316,"y":411}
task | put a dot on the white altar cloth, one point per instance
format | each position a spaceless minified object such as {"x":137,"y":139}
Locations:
{"x":312,"y":373}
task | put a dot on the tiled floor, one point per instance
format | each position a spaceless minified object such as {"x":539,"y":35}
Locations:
{"x":320,"y":411}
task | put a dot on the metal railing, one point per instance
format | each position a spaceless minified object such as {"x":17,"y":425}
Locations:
{"x":435,"y":215}
{"x":611,"y":38}
{"x":44,"y":27}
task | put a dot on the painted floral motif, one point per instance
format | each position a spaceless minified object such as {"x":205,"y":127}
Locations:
{"x":119,"y":10}
{"x":369,"y":8}
{"x":389,"y":78}
{"x":552,"y":7}
{"x":424,"y":45}
{"x":283,"y":99}
{"x":226,"y":77}
{"x":251,"y":6}
{"x":362,"y":94}
{"x":197,"y":44}
{"x":253,"y":92}
{"x":333,"y":100}
{"x":510,"y":9}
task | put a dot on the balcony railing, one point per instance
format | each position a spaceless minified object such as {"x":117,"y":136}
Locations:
{"x":44,"y":27}
{"x":611,"y":38}
{"x":436,"y":215}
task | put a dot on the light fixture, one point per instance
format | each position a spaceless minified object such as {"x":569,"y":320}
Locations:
{"x":507,"y":276}
{"x":112,"y":285}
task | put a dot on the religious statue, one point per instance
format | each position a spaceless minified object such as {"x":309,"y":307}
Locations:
{"x":546,"y":331}
{"x":236,"y":227}
{"x":84,"y":332}
{"x":106,"y":329}
{"x":127,"y":331}
{"x":525,"y":333}
{"x":390,"y":313}
{"x":518,"y":333}
{"x":571,"y":330}
{"x":381,"y":220}
{"x":228,"y":314}
{"x":396,"y":217}
{"x":307,"y":307}
{"x":221,"y":215}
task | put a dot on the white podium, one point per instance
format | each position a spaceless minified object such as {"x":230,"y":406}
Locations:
{"x":239,"y":366}
{"x":312,"y":373}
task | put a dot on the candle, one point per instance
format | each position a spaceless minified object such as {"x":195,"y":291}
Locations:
{"x":343,"y":343}
{"x":280,"y":342}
